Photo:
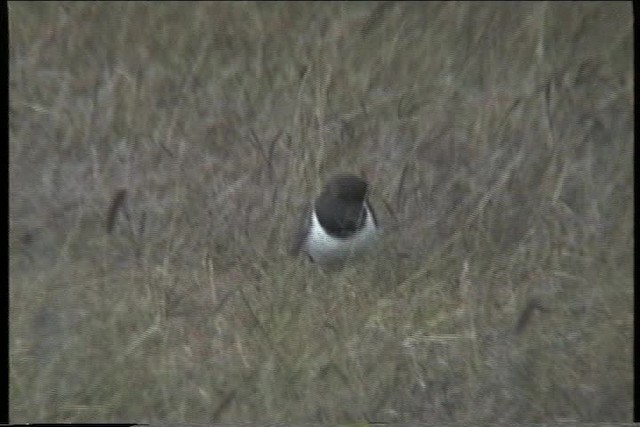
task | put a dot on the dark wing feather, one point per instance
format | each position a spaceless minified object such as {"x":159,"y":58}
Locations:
{"x":301,"y":231}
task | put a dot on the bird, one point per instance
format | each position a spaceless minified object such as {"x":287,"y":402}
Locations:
{"x":340,"y":223}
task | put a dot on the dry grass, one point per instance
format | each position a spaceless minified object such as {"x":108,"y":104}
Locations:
{"x":499,"y":141}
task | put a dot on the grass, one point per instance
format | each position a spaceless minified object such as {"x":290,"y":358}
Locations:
{"x":498,"y":139}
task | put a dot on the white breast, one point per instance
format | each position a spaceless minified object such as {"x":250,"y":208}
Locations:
{"x":324,"y":248}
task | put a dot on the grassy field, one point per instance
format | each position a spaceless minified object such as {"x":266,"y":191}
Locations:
{"x":160,"y":154}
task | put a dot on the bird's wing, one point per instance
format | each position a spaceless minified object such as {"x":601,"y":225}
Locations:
{"x":301,"y":231}
{"x":373,"y":213}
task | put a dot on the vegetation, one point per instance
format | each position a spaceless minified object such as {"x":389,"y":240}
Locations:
{"x":160,"y":154}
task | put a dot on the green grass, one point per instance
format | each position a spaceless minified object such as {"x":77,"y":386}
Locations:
{"x":498,"y":139}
